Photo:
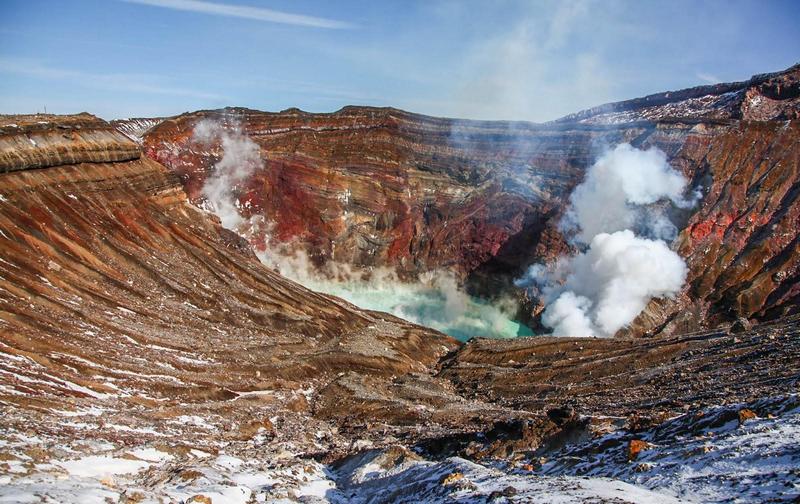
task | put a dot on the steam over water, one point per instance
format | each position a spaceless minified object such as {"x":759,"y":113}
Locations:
{"x":431,"y":307}
{"x":435,"y":301}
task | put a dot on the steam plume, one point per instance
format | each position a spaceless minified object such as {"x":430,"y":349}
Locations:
{"x":436,"y":300}
{"x":604,"y":287}
{"x":616,"y":189}
{"x":240,"y":157}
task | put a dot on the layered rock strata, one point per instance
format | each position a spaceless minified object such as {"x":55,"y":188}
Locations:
{"x":383,"y":187}
{"x":145,"y":353}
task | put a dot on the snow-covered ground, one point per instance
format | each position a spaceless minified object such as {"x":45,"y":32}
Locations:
{"x":227,"y":479}
{"x":718,"y":455}
{"x":457,"y":480}
{"x":713,"y":457}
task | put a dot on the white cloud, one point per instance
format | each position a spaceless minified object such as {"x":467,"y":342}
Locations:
{"x":246,"y":12}
{"x":522,"y":73}
{"x":707,"y":77}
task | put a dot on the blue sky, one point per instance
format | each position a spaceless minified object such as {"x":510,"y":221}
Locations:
{"x":503,"y":59}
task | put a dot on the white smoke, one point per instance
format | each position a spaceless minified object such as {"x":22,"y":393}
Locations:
{"x":616,"y":188}
{"x":436,"y":300}
{"x":608,"y":285}
{"x":603,"y":288}
{"x":240,"y":158}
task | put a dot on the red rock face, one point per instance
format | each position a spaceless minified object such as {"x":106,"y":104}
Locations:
{"x":372,"y":187}
{"x":383,"y":187}
{"x":741,"y":245}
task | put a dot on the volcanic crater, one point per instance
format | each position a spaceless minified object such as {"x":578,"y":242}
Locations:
{"x":148,"y":354}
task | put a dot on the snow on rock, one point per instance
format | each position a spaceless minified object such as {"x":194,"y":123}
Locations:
{"x":747,"y":452}
{"x":151,"y":455}
{"x":741,"y":453}
{"x":101,"y":465}
{"x":135,"y":128}
{"x":458,"y":480}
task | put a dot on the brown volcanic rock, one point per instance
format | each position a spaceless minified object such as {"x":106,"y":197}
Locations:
{"x":746,"y":231}
{"x":42,"y":140}
{"x":132,"y":323}
{"x":115,"y":291}
{"x":741,"y":245}
{"x":385,"y":187}
{"x":374,"y":186}
{"x":776,"y":98}
{"x":623,"y":376}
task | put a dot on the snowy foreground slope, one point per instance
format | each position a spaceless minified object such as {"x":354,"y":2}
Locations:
{"x":742,"y":453}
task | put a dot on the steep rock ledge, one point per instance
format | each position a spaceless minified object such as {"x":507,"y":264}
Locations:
{"x":42,"y":140}
{"x":741,"y":244}
{"x":383,"y":187}
{"x":117,"y":294}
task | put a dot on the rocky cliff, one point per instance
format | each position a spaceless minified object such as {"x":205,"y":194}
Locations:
{"x":146,"y":354}
{"x":114,"y":287}
{"x":136,"y":127}
{"x":383,"y":187}
{"x":44,"y":140}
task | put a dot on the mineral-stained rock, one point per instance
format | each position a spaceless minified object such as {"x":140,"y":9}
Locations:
{"x":741,"y":244}
{"x":199,"y":499}
{"x":625,"y":376}
{"x":452,"y":478}
{"x":383,"y":187}
{"x":136,"y":331}
{"x":42,"y":140}
{"x":636,"y":446}
{"x":745,"y":415}
{"x":114,"y":288}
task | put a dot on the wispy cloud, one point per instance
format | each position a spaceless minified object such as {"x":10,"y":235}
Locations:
{"x":130,"y":83}
{"x":246,"y":12}
{"x":706,"y":77}
{"x":522,"y":72}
